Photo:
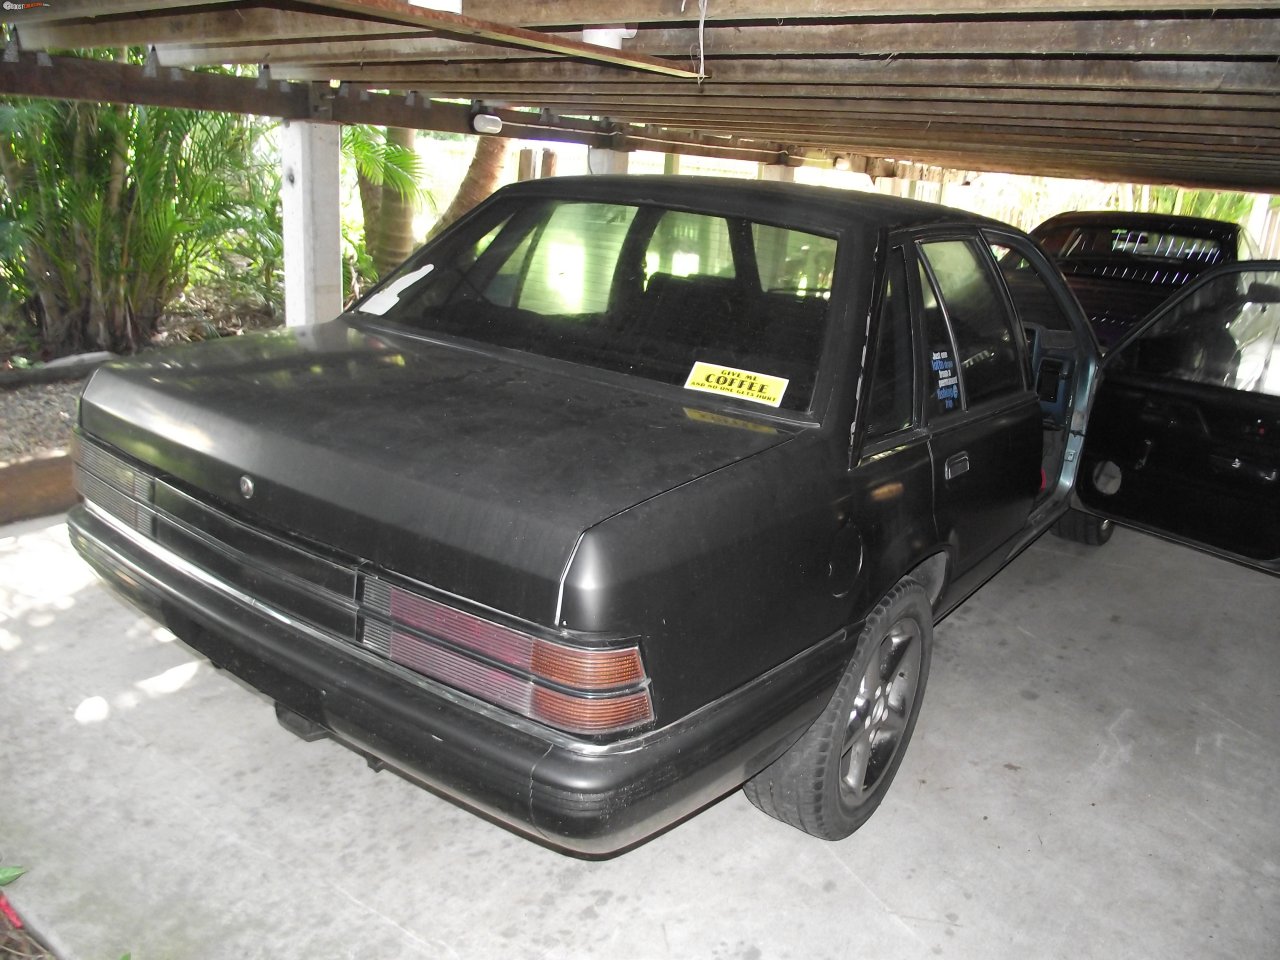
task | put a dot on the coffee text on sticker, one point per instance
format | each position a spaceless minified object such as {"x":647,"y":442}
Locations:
{"x":757,"y":387}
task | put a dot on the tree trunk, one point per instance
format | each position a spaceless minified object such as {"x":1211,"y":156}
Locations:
{"x":481,"y":180}
{"x":370,"y":203}
{"x":390,"y":238}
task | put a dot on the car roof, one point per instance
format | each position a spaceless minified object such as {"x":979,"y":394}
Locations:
{"x":791,"y":203}
{"x":1197,"y":226}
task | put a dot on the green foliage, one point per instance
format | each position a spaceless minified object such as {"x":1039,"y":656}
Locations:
{"x":10,"y":874}
{"x":382,"y":162}
{"x":109,"y":209}
{"x":1211,"y":204}
{"x":248,"y":261}
{"x":358,"y":270}
{"x":390,"y":177}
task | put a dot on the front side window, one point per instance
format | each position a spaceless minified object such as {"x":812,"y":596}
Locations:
{"x":1225,"y":334}
{"x":1029,"y":290}
{"x":984,"y":333}
{"x":714,"y":304}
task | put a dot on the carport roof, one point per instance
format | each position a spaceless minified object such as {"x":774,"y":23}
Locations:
{"x":1133,"y":90}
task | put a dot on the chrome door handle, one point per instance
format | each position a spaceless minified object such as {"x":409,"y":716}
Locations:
{"x":956,"y":465}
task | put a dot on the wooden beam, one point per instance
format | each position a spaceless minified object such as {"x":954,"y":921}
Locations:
{"x":399,"y":14}
{"x":890,"y":133}
{"x":573,"y":12}
{"x":766,"y":96}
{"x":219,"y":26}
{"x":1231,"y":37}
{"x":569,"y":13}
{"x":1109,"y":76}
{"x":76,"y":78}
{"x":1266,"y":122}
{"x":459,"y":25}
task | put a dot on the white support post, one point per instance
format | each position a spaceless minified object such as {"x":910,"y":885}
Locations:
{"x":312,"y":231}
{"x":777,"y":172}
{"x":600,"y":160}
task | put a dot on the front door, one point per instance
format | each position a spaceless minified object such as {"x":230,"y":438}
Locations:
{"x":1184,"y":435}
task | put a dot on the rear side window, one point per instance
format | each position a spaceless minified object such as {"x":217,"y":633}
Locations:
{"x":942,"y":390}
{"x":891,"y":400}
{"x":984,"y":332}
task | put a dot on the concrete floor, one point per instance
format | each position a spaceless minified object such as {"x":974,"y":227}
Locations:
{"x":1094,"y":775}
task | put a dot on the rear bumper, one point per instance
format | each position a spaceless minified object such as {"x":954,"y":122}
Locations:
{"x":587,"y":798}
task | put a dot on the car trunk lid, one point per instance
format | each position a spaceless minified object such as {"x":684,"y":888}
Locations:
{"x":470,"y":471}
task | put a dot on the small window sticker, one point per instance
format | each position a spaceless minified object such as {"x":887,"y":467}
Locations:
{"x":744,"y":384}
{"x":385,"y":299}
{"x":948,"y":382}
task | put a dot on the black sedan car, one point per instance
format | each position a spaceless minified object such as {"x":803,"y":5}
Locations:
{"x":1122,"y":266}
{"x":620,"y":494}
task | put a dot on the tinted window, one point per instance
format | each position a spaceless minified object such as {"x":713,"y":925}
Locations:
{"x":892,"y":391}
{"x":794,"y":263}
{"x":1029,"y":291}
{"x":1226,"y":334}
{"x":1083,"y":242}
{"x":667,"y":295}
{"x":942,"y":389}
{"x":984,"y":334}
{"x":689,"y":244}
{"x":565,"y":265}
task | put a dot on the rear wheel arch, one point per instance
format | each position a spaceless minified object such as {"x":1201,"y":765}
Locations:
{"x":931,"y":574}
{"x":835,"y":776}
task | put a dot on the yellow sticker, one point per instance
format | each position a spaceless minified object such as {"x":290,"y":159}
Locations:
{"x":757,"y":387}
{"x":720,"y":420}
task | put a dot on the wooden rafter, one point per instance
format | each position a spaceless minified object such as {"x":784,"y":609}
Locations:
{"x":1184,"y":91}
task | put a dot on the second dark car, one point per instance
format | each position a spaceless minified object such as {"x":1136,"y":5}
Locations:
{"x":1122,"y":266}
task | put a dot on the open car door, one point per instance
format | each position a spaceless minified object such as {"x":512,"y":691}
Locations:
{"x":1183,"y":438}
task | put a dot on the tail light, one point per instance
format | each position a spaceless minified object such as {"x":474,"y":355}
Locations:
{"x":580,"y":689}
{"x":113,"y":485}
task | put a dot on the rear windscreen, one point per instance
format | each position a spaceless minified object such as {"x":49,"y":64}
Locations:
{"x":714,"y":304}
{"x":1081,"y":242}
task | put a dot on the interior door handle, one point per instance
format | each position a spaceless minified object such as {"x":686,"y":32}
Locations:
{"x":956,"y":465}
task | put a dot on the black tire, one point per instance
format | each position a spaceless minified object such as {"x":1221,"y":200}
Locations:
{"x":1083,"y":528}
{"x":834,"y":777}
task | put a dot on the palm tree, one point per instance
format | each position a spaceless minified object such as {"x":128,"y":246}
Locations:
{"x":481,"y":179}
{"x":110,"y":207}
{"x":388,"y":177}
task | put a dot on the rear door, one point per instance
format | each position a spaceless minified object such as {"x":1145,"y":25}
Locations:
{"x":982,"y":415}
{"x":1183,"y":438}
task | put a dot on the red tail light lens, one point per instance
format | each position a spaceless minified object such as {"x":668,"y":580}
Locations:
{"x":590,"y":690}
{"x":591,"y":716}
